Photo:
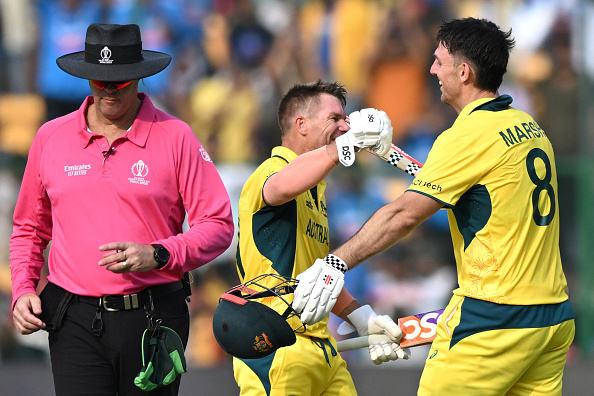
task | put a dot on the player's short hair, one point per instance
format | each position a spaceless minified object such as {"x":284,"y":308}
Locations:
{"x":303,"y":97}
{"x":482,"y":44}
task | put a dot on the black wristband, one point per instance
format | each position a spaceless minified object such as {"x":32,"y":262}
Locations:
{"x":336,"y":262}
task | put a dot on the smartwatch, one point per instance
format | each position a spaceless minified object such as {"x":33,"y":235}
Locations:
{"x":161,"y":256}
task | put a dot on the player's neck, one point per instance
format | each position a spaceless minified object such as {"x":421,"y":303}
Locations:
{"x":471,"y":96}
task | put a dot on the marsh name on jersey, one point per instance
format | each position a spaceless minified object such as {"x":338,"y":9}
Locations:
{"x":530,"y":131}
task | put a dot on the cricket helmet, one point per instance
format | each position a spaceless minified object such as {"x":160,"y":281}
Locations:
{"x":247,"y":328}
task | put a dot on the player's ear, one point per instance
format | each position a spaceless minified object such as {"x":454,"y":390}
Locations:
{"x":301,"y":125}
{"x":465,"y":71}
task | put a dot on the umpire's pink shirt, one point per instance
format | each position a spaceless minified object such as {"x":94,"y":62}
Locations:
{"x":140,"y":192}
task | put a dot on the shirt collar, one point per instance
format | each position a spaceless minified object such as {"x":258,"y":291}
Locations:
{"x":283,"y":153}
{"x":488,"y":104}
{"x":138,"y":133}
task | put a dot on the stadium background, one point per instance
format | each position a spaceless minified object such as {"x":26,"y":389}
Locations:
{"x":233,"y":60}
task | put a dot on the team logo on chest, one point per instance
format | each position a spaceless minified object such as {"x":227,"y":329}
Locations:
{"x":140,"y":170}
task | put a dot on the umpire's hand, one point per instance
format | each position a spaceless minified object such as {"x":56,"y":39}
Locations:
{"x":23,"y":315}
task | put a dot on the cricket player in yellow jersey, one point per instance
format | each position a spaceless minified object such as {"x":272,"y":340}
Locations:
{"x":509,"y":324}
{"x":283,"y":228}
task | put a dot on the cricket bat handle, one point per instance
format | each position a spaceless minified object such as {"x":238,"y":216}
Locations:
{"x":361,"y":342}
{"x":401,"y":160}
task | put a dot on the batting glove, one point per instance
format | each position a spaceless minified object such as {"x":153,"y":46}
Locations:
{"x":366,"y":127}
{"x":318,"y":288}
{"x":367,"y":322}
{"x":385,"y":137}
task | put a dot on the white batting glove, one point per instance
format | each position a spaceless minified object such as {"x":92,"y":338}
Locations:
{"x":366,"y":127}
{"x":367,"y":322}
{"x":385,"y":138}
{"x":318,"y":288}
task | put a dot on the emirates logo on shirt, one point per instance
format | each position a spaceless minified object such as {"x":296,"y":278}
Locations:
{"x":140,"y":170}
{"x":77,"y":170}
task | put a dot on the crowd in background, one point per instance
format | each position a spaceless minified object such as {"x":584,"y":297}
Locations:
{"x":234,"y":59}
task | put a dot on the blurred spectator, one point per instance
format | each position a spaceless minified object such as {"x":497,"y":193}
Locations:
{"x":416,"y":277}
{"x":158,"y":21}
{"x":209,"y":282}
{"x":338,"y":38}
{"x":557,"y":97}
{"x":191,"y":64}
{"x":400,"y":71}
{"x":225,"y":107}
{"x":17,"y":35}
{"x":351,"y":199}
{"x":59,"y":25}
{"x":282,"y":66}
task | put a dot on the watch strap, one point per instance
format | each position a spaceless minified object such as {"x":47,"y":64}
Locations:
{"x":160,"y":261}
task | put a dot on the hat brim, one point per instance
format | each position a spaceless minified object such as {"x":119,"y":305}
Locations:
{"x":75,"y":64}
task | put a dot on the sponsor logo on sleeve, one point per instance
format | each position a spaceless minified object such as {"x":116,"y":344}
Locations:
{"x":205,"y":155}
{"x":428,"y":185}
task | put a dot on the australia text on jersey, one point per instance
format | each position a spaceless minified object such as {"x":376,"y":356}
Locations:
{"x":317,"y":232}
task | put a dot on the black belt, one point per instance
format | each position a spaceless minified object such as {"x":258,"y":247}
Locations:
{"x":118,"y":302}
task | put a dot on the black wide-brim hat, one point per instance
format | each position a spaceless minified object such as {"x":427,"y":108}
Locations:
{"x":113,"y":53}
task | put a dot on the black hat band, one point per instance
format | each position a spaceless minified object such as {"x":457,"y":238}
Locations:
{"x":113,"y":54}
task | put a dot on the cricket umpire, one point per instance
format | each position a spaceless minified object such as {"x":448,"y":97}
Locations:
{"x":110,"y":186}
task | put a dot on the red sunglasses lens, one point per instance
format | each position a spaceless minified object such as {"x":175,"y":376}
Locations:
{"x":103,"y":84}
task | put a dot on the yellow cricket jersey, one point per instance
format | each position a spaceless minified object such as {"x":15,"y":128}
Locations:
{"x":495,"y":170}
{"x":285,"y":239}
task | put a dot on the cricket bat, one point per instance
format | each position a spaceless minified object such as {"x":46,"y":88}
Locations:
{"x":401,"y":160}
{"x":419,"y":329}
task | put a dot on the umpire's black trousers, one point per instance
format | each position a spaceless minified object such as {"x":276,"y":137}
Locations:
{"x":106,"y":365}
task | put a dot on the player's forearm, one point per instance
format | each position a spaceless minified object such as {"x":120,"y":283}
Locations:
{"x":382,"y":230}
{"x":302,"y":174}
{"x":388,"y":225}
{"x":345,"y":304}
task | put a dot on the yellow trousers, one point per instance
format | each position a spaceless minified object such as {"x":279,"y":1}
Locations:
{"x":310,"y":367}
{"x":488,"y":349}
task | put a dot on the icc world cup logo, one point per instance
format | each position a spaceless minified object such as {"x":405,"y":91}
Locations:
{"x":140,"y":169}
{"x":105,"y":55}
